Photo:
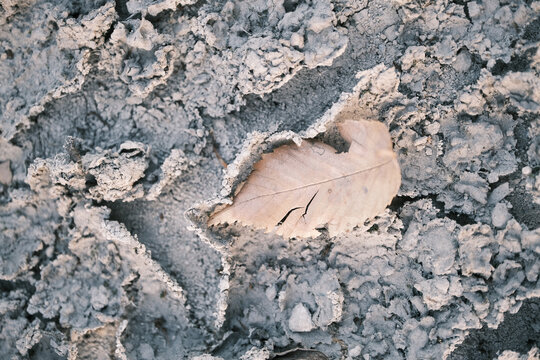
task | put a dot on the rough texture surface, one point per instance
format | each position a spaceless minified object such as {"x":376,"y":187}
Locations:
{"x":118,"y":117}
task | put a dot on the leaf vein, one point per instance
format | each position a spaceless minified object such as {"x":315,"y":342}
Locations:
{"x":317,"y":183}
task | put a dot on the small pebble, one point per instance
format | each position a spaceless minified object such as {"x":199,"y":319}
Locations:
{"x":271,"y":293}
{"x":500,"y":215}
{"x":421,"y":141}
{"x":355,"y":351}
{"x":462,"y":62}
{"x":492,"y":178}
{"x":474,"y":9}
{"x":499,"y":193}
{"x":433,"y":128}
{"x":300,"y":320}
{"x":526,"y":170}
{"x":297,"y":40}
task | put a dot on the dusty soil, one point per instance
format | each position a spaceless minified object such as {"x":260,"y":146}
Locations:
{"x":123,"y":124}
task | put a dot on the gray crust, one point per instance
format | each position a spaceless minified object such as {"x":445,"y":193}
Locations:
{"x":116,"y":120}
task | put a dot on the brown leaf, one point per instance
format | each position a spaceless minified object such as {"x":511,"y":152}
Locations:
{"x":297,"y":189}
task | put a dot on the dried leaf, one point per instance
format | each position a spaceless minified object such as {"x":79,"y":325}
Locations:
{"x":296,"y":190}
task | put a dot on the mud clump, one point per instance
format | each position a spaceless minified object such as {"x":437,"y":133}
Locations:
{"x":123,"y":124}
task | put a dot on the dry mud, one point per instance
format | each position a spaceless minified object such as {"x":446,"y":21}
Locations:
{"x":116,"y":120}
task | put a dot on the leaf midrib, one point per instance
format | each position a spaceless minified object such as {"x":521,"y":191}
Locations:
{"x":317,"y":183}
